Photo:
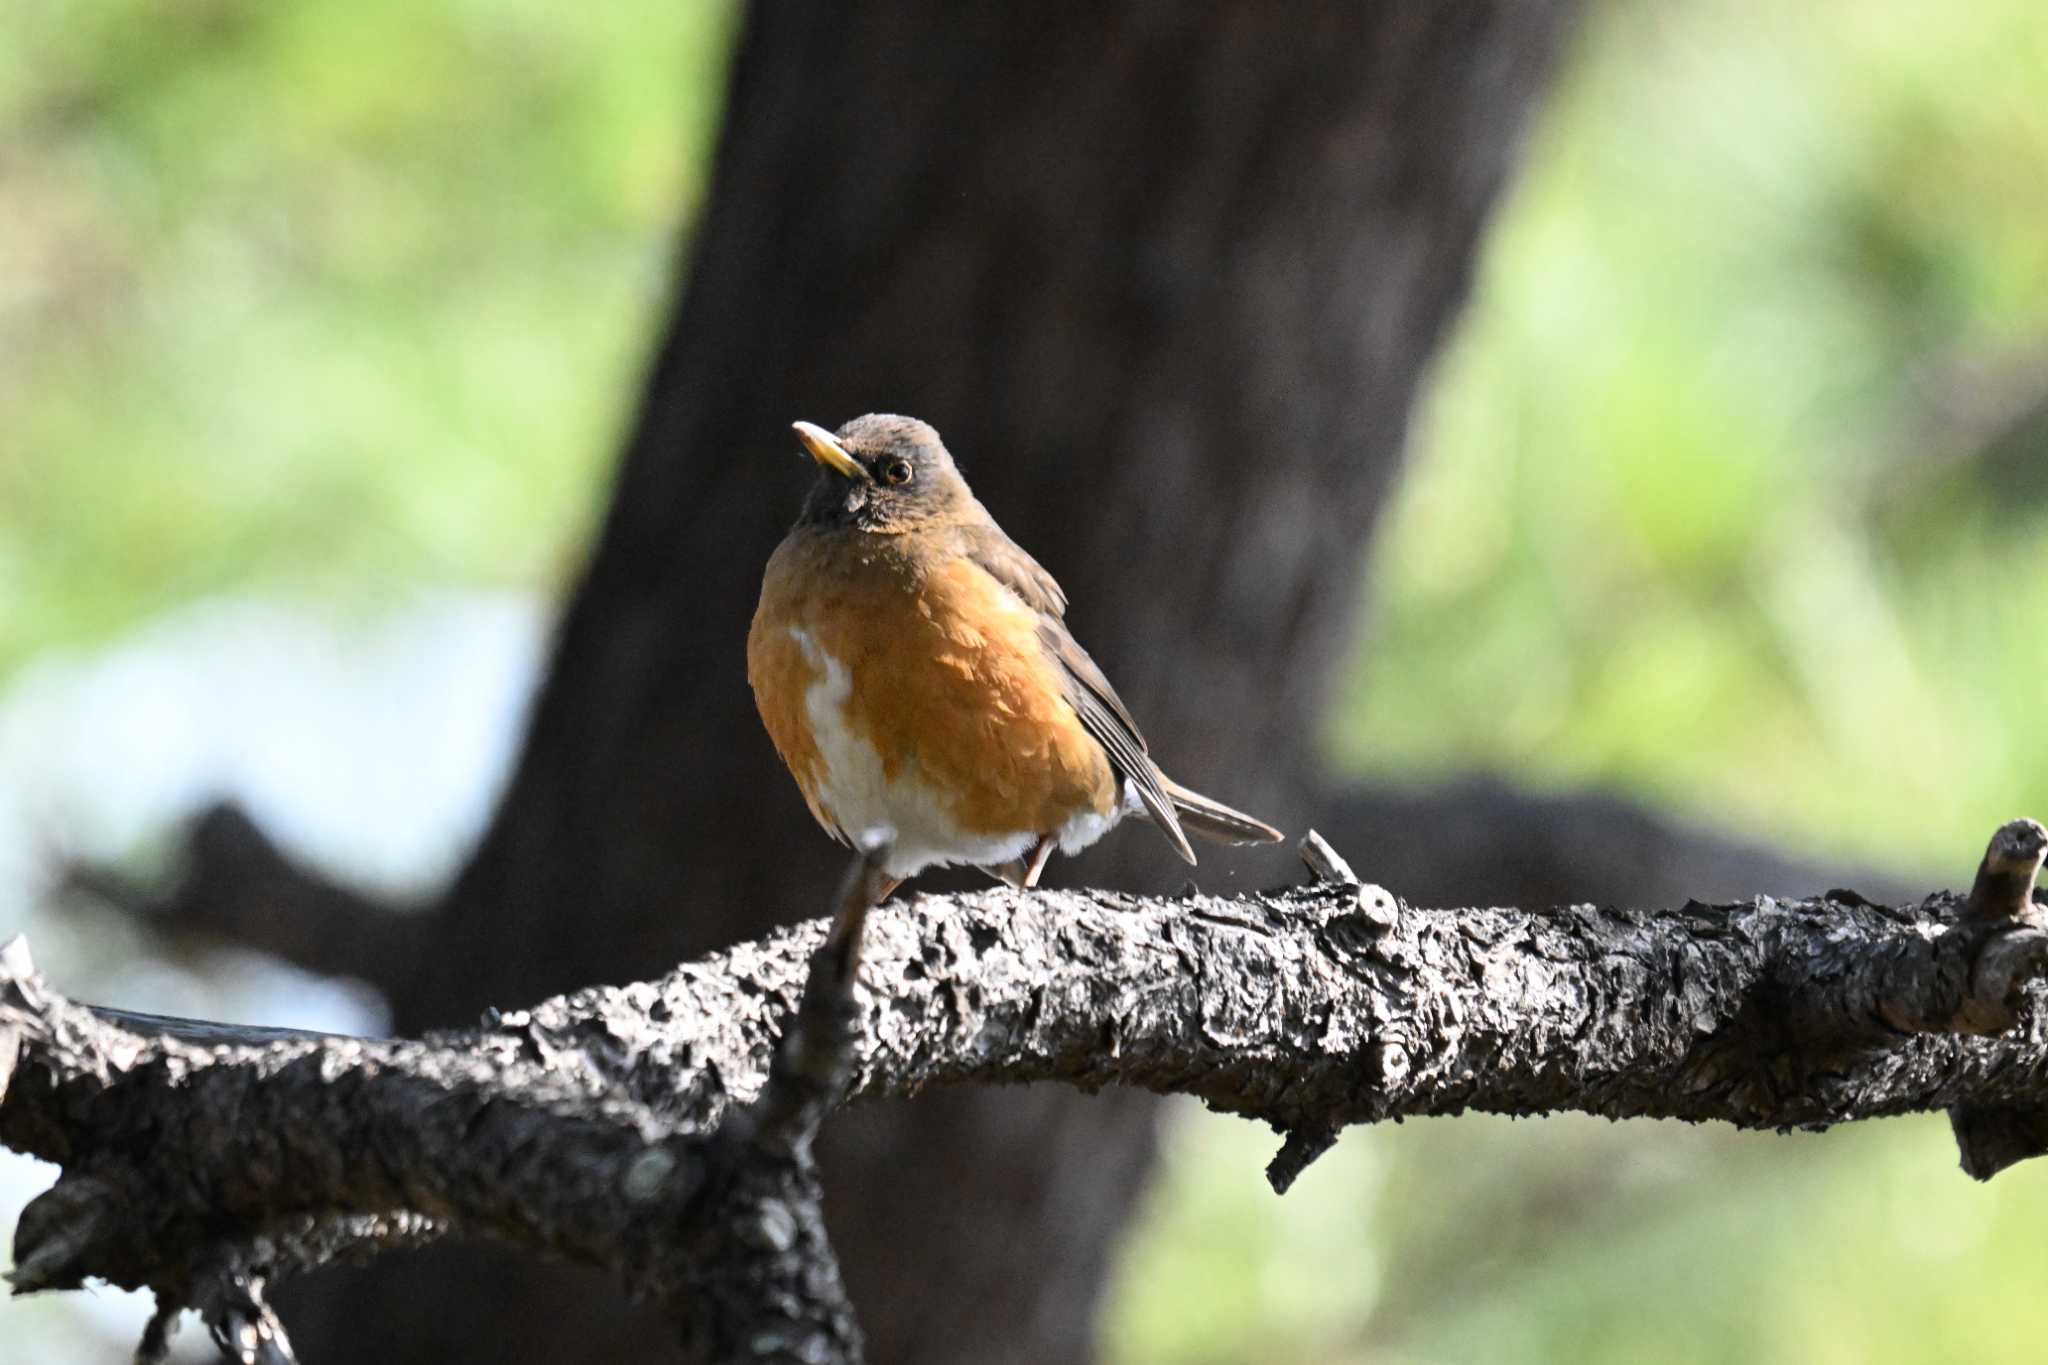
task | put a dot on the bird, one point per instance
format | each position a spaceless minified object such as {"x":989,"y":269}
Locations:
{"x":913,"y":666}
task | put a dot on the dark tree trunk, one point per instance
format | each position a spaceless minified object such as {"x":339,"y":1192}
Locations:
{"x":1166,"y":277}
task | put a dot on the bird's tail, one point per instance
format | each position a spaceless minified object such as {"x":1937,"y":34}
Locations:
{"x":1215,"y":821}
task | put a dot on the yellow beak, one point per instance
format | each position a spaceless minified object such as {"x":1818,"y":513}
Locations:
{"x":826,"y":450}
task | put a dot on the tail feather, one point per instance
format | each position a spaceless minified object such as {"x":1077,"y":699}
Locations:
{"x":1215,"y":821}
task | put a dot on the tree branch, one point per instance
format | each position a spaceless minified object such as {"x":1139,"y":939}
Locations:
{"x":590,"y":1126}
{"x":767,"y":1287}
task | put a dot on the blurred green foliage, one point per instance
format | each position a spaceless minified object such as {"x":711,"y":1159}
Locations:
{"x":343,"y":295}
{"x":1732,"y":492}
{"x":1494,"y":1242}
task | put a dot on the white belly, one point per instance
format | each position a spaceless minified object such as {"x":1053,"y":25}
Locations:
{"x":915,"y":821}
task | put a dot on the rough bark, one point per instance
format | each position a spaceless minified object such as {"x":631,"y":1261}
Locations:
{"x":1176,"y":267}
{"x":600,"y":1126}
{"x":321,"y":1149}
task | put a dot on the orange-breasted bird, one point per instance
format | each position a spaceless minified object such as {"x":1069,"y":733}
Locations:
{"x":914,"y":669}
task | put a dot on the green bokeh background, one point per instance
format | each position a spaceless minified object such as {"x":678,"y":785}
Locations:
{"x":1731,"y":492}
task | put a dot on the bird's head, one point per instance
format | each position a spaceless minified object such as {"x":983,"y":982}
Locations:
{"x":882,"y":473}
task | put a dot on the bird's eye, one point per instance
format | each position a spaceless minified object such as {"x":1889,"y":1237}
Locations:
{"x":896,"y":471}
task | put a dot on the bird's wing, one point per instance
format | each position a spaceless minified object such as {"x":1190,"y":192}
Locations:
{"x":1088,"y":691}
{"x":1010,"y":565}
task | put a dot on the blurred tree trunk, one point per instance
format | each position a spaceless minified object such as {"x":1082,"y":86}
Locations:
{"x":1166,"y":278}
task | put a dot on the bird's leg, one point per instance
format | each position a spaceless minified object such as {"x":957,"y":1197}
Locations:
{"x":866,"y":886}
{"x":1034,"y":863}
{"x":1009,"y":874}
{"x":1023,"y":872}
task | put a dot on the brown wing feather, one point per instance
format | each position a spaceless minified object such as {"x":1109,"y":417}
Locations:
{"x":1088,"y":691}
{"x":1010,"y":565}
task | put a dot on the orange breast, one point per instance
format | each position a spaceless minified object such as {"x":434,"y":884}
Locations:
{"x":949,"y":683}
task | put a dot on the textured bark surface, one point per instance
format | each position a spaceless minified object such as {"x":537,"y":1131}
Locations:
{"x":600,"y":1126}
{"x":1166,"y":277}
